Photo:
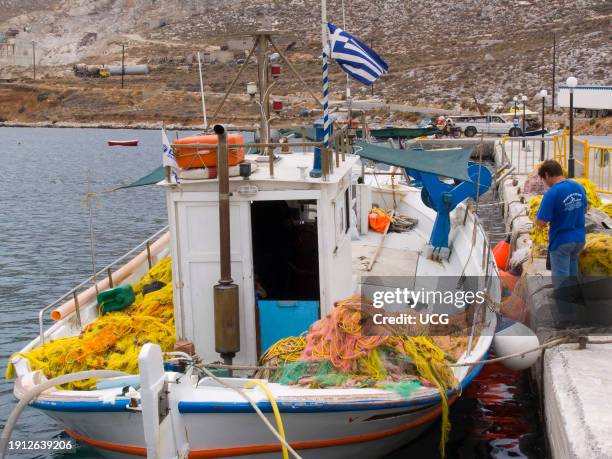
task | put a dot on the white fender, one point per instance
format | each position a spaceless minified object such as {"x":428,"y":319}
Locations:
{"x":515,"y":337}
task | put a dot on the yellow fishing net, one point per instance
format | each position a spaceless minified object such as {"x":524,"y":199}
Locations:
{"x":591,"y":191}
{"x":113,"y":341}
{"x":335,"y":353}
{"x":539,"y":236}
{"x":607,"y":208}
{"x":596,"y":257}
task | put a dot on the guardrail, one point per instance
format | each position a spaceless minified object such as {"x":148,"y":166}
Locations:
{"x":596,"y":164}
{"x":524,"y":153}
{"x":106,"y":270}
{"x":593,"y":162}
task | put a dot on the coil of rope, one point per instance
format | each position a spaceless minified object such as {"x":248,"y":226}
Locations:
{"x":402,"y":223}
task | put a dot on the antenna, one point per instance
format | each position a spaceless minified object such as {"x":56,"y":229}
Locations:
{"x":202,"y":93}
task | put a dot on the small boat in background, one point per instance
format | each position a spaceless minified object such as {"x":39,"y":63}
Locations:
{"x":122,"y":143}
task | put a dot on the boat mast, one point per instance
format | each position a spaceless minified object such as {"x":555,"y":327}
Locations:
{"x":262,"y":73}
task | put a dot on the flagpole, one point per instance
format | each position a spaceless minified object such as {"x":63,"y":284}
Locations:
{"x":202,"y":93}
{"x":349,"y":99}
{"x":348,"y":86}
{"x":316,"y":168}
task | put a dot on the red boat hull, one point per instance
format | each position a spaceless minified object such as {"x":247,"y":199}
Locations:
{"x":123,"y":143}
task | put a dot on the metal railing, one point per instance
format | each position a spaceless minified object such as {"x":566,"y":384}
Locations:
{"x":597,"y":165}
{"x":338,"y":147}
{"x":106,"y":270}
{"x":524,"y":153}
{"x":593,"y":162}
{"x":590,"y":161}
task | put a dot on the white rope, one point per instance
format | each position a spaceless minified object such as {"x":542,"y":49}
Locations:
{"x":34,"y":392}
{"x":255,"y":407}
{"x":552,"y":343}
{"x":382,"y":194}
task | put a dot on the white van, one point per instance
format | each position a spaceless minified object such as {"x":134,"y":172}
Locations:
{"x":485,"y":124}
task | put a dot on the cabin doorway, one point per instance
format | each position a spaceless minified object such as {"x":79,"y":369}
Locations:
{"x":286,"y":268}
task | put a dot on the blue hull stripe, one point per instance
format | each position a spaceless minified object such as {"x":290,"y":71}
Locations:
{"x":120,"y":405}
{"x":78,"y":407}
{"x":318,"y":407}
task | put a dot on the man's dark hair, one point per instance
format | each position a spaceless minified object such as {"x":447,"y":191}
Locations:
{"x":550,"y":167}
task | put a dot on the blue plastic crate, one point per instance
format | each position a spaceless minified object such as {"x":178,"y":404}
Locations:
{"x":280,"y":319}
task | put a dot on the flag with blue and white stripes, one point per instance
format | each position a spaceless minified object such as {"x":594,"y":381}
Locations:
{"x":355,"y":57}
{"x":168,"y":156}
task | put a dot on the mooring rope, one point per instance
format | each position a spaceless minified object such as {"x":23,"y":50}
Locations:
{"x":263,"y":418}
{"x":552,"y":343}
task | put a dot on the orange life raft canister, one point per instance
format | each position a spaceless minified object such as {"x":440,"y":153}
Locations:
{"x":191,"y":158}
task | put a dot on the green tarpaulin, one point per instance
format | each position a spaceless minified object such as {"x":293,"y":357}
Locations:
{"x":150,"y":179}
{"x":452,"y":163}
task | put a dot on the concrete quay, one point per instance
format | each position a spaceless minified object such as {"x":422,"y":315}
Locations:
{"x":573,"y":383}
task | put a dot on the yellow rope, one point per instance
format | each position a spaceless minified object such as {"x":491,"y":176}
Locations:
{"x":277,"y":416}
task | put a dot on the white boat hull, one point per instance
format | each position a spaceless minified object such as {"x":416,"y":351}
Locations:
{"x":354,"y":433}
{"x":213,"y":421}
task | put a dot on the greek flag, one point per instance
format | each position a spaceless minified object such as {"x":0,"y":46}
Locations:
{"x":168,"y":158}
{"x":355,"y":57}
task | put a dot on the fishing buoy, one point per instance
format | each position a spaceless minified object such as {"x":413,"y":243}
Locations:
{"x":508,"y":280}
{"x":501,"y":253}
{"x":512,"y":337}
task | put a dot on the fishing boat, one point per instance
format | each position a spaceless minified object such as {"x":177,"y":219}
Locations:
{"x":256,"y":256}
{"x":122,"y":143}
{"x":203,"y":418}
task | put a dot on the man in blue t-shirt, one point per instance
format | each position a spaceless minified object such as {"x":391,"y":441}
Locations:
{"x":563,"y":206}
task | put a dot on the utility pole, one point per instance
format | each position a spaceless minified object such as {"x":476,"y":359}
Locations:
{"x":34,"y":59}
{"x":554,"y":69}
{"x":122,"y":64}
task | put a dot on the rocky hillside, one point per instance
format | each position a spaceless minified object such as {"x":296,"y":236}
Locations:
{"x":440,"y":53}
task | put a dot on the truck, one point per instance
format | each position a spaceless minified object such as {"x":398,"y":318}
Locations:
{"x":484,"y":124}
{"x":593,"y":101}
{"x":90,"y":71}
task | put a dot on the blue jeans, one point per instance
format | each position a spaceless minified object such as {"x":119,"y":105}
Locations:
{"x":564,"y":268}
{"x":564,"y":261}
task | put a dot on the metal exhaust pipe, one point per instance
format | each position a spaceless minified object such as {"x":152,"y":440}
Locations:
{"x":226,"y":300}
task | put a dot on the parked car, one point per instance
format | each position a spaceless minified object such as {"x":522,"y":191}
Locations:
{"x":485,"y":124}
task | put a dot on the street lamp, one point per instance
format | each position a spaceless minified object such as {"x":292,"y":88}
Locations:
{"x":543,"y":93}
{"x":515,"y":118}
{"x":251,"y":89}
{"x":571,"y":84}
{"x":524,"y":99}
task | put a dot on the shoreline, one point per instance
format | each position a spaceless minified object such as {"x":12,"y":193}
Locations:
{"x":107,"y":125}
